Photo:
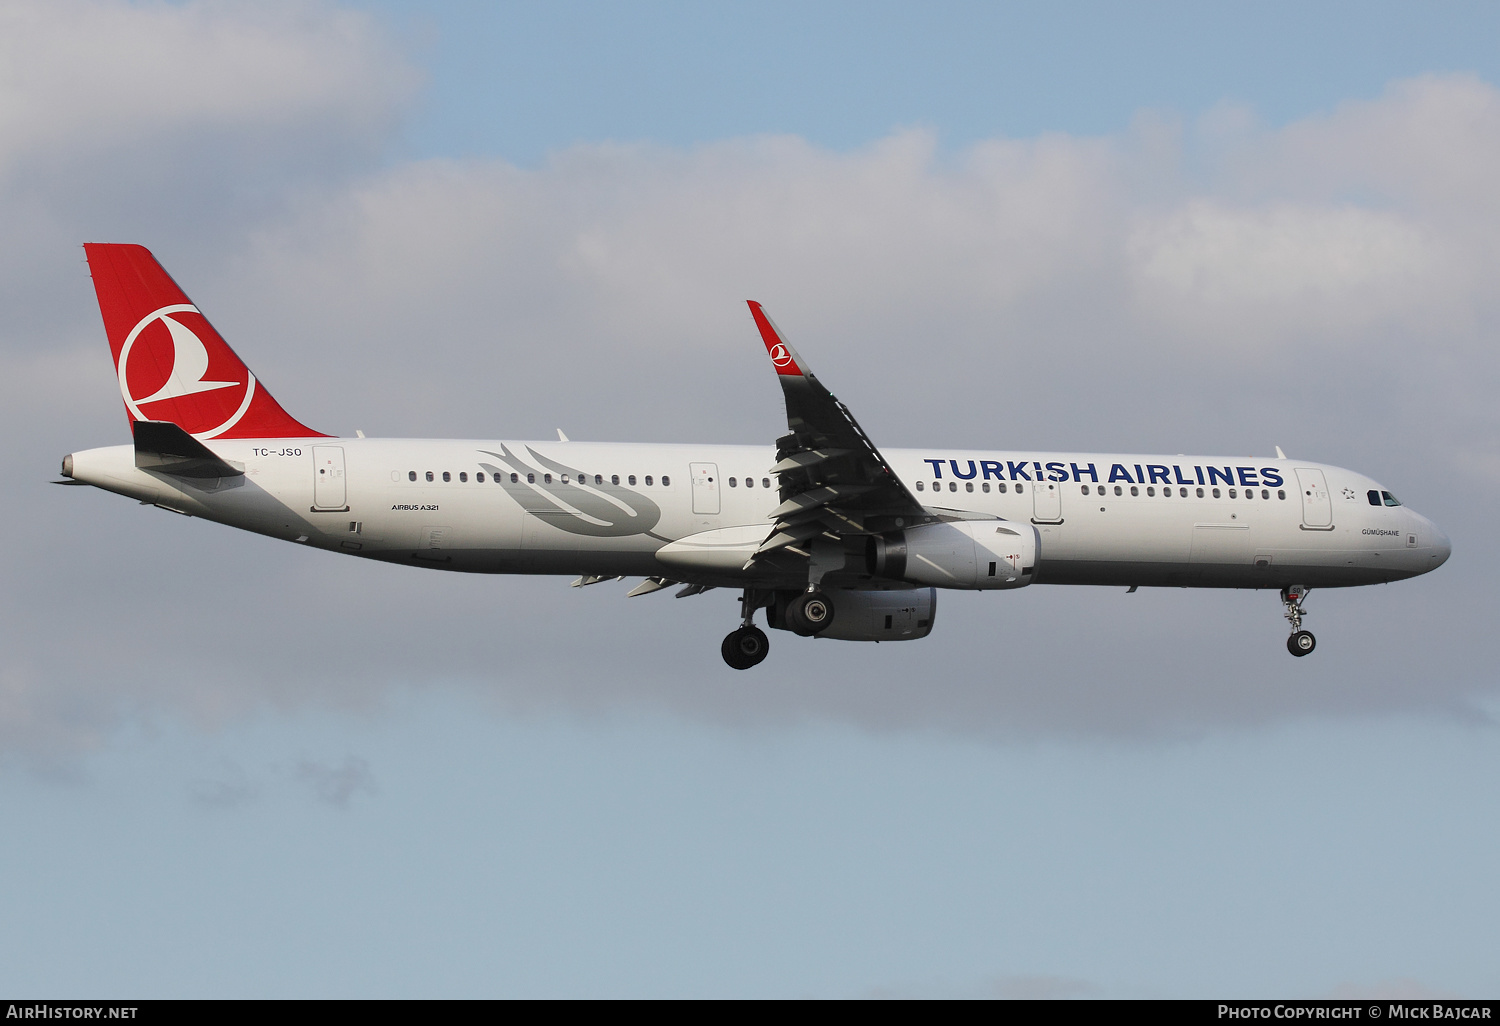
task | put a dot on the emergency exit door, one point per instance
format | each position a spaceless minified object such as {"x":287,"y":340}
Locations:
{"x":705,"y":478}
{"x":1046,"y":503}
{"x":328,"y":477}
{"x":1317,"y":504}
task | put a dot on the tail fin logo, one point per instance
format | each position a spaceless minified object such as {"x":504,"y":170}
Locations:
{"x":174,"y":364}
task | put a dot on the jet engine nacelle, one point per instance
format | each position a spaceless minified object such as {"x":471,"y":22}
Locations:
{"x":904,"y":614}
{"x":976,"y":554}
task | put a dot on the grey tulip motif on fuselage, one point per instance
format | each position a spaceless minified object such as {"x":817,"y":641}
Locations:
{"x":599,"y":510}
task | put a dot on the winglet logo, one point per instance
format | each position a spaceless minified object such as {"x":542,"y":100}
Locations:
{"x":779,"y":355}
{"x":189,"y":365}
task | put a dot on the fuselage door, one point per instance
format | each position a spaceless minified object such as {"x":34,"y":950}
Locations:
{"x":1046,"y":502}
{"x":1317,"y":504}
{"x":328,"y":477}
{"x":705,"y":478}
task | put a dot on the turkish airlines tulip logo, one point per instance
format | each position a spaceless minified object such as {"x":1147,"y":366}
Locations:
{"x":163,"y":359}
{"x":779,"y":355}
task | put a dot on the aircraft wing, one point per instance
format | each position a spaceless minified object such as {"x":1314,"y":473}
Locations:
{"x":833,"y":480}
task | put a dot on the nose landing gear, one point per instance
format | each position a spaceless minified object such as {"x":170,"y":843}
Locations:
{"x":1301,"y":642}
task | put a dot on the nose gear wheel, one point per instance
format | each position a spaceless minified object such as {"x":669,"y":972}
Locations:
{"x":1301,"y":643}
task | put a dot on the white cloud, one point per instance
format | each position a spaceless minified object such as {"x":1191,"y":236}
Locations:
{"x":85,"y":76}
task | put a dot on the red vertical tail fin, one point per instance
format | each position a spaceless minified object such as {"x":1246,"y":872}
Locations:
{"x":172,"y":364}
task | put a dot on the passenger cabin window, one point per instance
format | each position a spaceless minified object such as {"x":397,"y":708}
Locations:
{"x":447,"y":476}
{"x":648,"y":480}
{"x":1390,"y":500}
{"x":463,"y":475}
{"x":1182,"y":492}
{"x":1001,"y":487}
{"x":479,"y":477}
{"x":1085,"y":489}
{"x":1020,"y":488}
{"x":631,"y":479}
{"x":1149,"y":491}
{"x":614,"y":479}
{"x":953,"y":486}
{"x":919,"y":486}
{"x":1119,"y":490}
{"x":1233,"y":494}
{"x":732,"y":483}
{"x":984,"y":487}
{"x":1134,"y":490}
{"x":1281,"y":493}
{"x":546,"y":479}
{"x":969,"y":486}
{"x":1200,"y":493}
{"x":429,"y":475}
{"x":749,"y":482}
{"x":411,"y":475}
{"x":666,"y":482}
{"x":531,"y":479}
{"x":1216,"y":494}
{"x":765,"y":482}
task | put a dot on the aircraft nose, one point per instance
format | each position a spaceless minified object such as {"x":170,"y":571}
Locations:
{"x":1442,"y":548}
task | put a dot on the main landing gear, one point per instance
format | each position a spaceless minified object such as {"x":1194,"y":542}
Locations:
{"x":1301,"y":642}
{"x":748,"y":645}
{"x":807,"y":614}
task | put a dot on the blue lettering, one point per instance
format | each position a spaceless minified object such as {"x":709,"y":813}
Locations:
{"x":1091,"y":472}
{"x":1271,"y":476}
{"x":1216,"y":475}
{"x":1119,"y":473}
{"x":992,"y":467}
{"x":1247,"y":475}
{"x":1180,"y":479}
{"x":1140,"y":475}
{"x":1057,"y":472}
{"x":1038,"y":467}
{"x":937,"y":467}
{"x":1158,"y":473}
{"x":960,"y":474}
{"x":1199,"y":471}
{"x":1018,"y":471}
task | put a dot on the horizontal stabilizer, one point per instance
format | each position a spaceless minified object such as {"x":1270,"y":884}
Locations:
{"x":164,"y":447}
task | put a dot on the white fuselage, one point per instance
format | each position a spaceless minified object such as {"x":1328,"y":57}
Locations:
{"x":588,"y":508}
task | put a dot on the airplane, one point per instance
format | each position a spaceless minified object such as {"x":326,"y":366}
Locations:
{"x":833,"y":537}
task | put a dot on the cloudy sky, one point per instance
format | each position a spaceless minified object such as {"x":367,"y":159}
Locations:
{"x":232,"y":767}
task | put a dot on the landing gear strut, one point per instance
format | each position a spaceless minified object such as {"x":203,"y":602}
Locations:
{"x":748,"y":645}
{"x":1301,"y":642}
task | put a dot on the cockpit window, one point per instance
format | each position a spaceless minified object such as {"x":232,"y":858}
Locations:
{"x":1390,"y":500}
{"x":1373,"y":496}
